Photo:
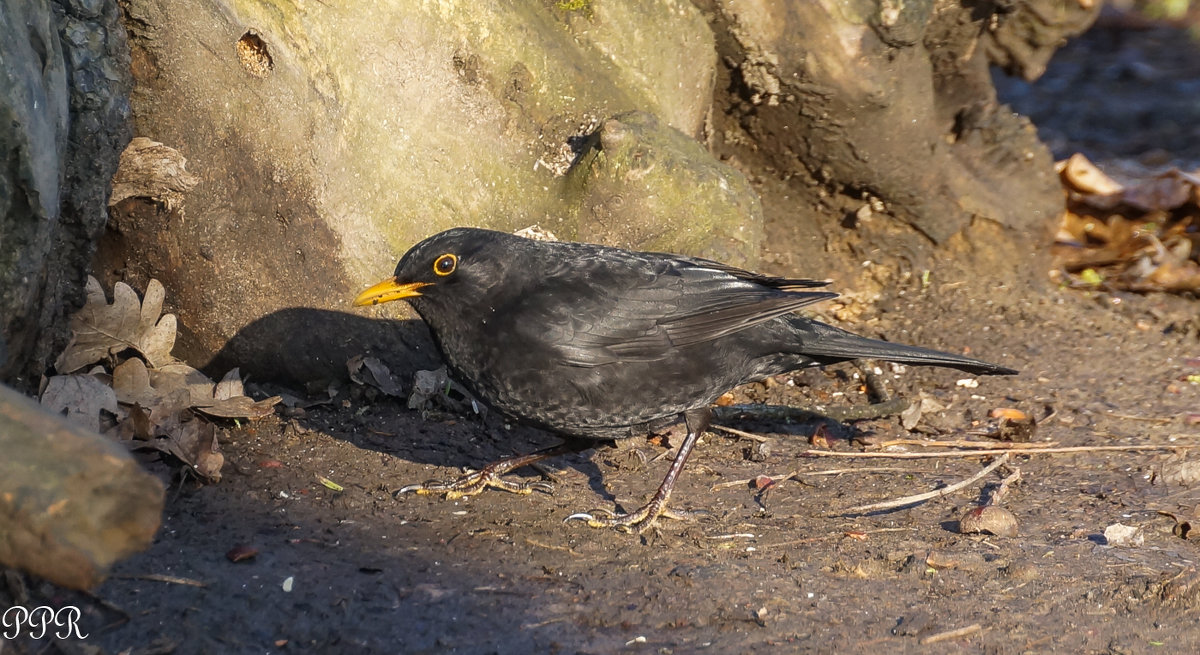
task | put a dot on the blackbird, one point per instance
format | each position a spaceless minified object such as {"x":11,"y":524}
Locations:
{"x":591,"y":342}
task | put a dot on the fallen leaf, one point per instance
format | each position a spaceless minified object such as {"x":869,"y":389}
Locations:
{"x":230,"y":386}
{"x":240,"y":407}
{"x":194,"y":443}
{"x":330,"y":484}
{"x":181,"y":376}
{"x":101,"y":329}
{"x":241,"y":553}
{"x":1167,"y":191}
{"x":371,"y":371}
{"x":820,"y":438}
{"x":223,"y":400}
{"x":1082,"y":175}
{"x":229,"y":400}
{"x":131,"y":382}
{"x":133,"y":385}
{"x":437,"y":386}
{"x":1008,"y":413}
{"x":1182,"y":527}
{"x":81,"y":397}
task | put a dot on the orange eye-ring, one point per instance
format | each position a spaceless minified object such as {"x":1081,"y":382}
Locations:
{"x":445,"y":264}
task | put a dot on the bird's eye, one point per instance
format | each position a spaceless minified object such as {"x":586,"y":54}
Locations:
{"x":445,"y":264}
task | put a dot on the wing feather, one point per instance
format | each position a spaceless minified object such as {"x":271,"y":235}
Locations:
{"x":641,"y":309}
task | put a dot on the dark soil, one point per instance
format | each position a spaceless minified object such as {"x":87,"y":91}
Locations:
{"x":789,"y":569}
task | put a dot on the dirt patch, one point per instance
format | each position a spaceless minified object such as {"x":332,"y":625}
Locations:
{"x":358,"y":570}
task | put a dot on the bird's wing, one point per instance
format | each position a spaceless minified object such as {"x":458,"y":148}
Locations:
{"x":671,"y":303}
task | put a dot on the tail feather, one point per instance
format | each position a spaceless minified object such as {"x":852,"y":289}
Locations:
{"x":825,"y":342}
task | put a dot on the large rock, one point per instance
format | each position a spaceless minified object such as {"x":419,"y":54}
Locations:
{"x":884,"y":118}
{"x":64,"y":118}
{"x":642,"y":184}
{"x":327,"y":141}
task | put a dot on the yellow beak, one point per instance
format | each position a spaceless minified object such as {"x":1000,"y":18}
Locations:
{"x":389,"y":290}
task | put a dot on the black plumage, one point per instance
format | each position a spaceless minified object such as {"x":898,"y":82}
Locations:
{"x":590,"y":341}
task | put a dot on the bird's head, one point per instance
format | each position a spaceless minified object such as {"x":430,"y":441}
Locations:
{"x":455,"y":268}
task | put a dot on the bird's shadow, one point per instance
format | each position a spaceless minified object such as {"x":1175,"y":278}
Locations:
{"x":304,"y":352}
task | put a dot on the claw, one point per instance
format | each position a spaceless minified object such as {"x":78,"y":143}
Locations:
{"x":637,"y":521}
{"x":647,"y":515}
{"x":489,"y":476}
{"x":472,"y":484}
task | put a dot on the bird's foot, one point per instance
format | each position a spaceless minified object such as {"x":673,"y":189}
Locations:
{"x":637,"y":521}
{"x":489,"y":476}
{"x":472,"y":484}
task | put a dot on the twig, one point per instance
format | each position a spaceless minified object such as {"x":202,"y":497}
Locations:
{"x":169,"y":579}
{"x":740,"y":433}
{"x":797,"y":542}
{"x":1003,"y":488}
{"x":738,"y":483}
{"x":831,"y":535}
{"x":909,"y":500}
{"x":962,"y":443}
{"x":865,"y":469}
{"x":539,"y":544}
{"x":952,"y":634}
{"x":788,"y":476}
{"x":996,"y":451}
{"x":1133,"y":417}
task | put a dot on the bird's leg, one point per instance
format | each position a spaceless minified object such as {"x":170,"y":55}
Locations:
{"x":640,"y":519}
{"x":489,"y":476}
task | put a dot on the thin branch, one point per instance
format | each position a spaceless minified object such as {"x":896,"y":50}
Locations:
{"x":964,"y":443}
{"x":997,"y":451}
{"x":788,"y":476}
{"x":740,"y":433}
{"x":1004,"y":485}
{"x":909,"y":500}
{"x":957,"y":633}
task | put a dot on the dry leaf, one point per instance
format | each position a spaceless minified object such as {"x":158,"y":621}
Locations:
{"x":1182,"y":527}
{"x":229,"y":400}
{"x":371,"y":371}
{"x":82,"y":397}
{"x":1140,"y":236}
{"x":164,"y":397}
{"x":230,"y":386}
{"x":182,"y":376}
{"x":101,"y":329}
{"x":131,"y":382}
{"x":437,"y":386}
{"x":1083,"y":176}
{"x":138,"y":426}
{"x":195,"y":444}
{"x":224,"y":400}
{"x":240,"y":407}
{"x":1167,"y":191}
